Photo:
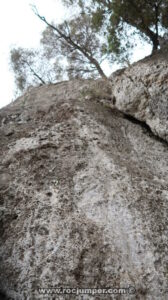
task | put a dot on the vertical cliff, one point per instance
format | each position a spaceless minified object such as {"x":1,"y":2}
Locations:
{"x":83,"y":193}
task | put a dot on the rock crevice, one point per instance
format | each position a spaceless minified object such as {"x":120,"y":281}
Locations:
{"x":83,"y":191}
{"x":141,"y":91}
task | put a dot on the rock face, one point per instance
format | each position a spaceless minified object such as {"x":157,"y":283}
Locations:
{"x":141,"y":91}
{"x":83,"y":195}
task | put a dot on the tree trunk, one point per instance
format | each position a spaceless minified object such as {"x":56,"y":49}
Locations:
{"x":154,"y":37}
{"x":34,"y":73}
{"x":155,"y":42}
{"x":75,"y":45}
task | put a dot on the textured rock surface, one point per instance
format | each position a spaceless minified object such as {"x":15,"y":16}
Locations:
{"x":142,"y":91}
{"x":83,"y":197}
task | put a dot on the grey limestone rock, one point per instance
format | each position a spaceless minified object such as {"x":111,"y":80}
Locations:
{"x":142,"y":92}
{"x":84,"y":195}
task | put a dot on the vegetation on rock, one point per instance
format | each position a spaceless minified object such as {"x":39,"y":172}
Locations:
{"x":99,"y":30}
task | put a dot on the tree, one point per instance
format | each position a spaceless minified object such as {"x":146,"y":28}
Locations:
{"x":72,"y":49}
{"x":78,"y":41}
{"x":31,"y":67}
{"x":147,"y":17}
{"x":103,"y":29}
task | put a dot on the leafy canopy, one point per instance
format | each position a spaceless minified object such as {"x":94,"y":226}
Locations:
{"x":78,"y":41}
{"x":100,"y":30}
{"x":149,"y":18}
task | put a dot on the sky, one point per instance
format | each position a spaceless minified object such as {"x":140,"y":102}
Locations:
{"x":19,"y":27}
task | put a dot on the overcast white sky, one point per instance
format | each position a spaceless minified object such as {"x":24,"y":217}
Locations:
{"x":20,"y":27}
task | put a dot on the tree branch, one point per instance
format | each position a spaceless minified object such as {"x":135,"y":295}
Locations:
{"x":69,"y":40}
{"x":33,"y":72}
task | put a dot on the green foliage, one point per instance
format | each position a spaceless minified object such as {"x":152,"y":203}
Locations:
{"x":102,"y":29}
{"x":78,"y":42}
{"x":31,"y":68}
{"x":148,"y":19}
{"x":146,"y":16}
{"x":71,"y":49}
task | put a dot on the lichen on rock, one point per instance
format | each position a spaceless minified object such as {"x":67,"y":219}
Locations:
{"x":141,"y":91}
{"x":83,"y":191}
